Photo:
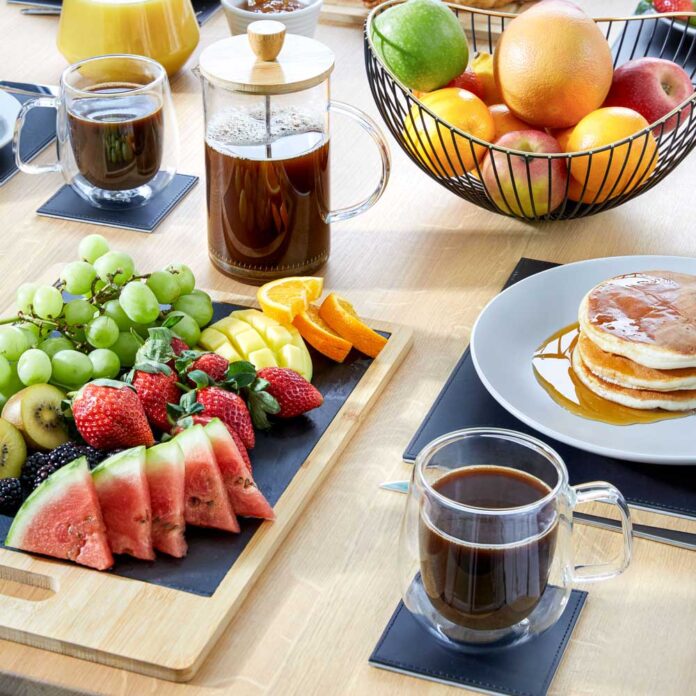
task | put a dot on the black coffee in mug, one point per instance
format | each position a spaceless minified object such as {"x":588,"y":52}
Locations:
{"x":117,"y":140}
{"x":475,"y":571}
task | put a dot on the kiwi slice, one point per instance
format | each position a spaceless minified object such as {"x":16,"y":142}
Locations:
{"x":13,"y":450}
{"x":36,"y":413}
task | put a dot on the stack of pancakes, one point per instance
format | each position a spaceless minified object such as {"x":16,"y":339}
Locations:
{"x":637,"y":343}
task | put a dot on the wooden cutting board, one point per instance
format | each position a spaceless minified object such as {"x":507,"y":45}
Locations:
{"x":149,"y":628}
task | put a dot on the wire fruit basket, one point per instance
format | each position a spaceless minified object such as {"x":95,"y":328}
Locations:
{"x":440,"y":149}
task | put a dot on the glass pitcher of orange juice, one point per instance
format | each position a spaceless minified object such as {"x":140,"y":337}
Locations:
{"x":165,"y":30}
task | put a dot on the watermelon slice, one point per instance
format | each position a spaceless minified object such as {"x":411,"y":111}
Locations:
{"x":125,"y":502}
{"x":207,"y":504}
{"x":62,"y":519}
{"x":247,"y":500}
{"x":164,"y":466}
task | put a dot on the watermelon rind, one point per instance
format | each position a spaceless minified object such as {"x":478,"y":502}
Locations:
{"x":130,"y":460}
{"x":42,"y":495}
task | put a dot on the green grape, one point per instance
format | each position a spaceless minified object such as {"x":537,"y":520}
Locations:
{"x":14,"y":384}
{"x":79,"y":312}
{"x":78,"y":277}
{"x":197,"y":305}
{"x":126,"y":347}
{"x":92,"y":247}
{"x":164,"y":285}
{"x":113,"y":309}
{"x":34,"y":367}
{"x":105,"y":363}
{"x":184,"y":277}
{"x":13,"y":342}
{"x":186,"y":328}
{"x":143,"y":330}
{"x":139,"y":302}
{"x":71,"y":368}
{"x":53,"y":345}
{"x":31,"y":332}
{"x":114,"y":262}
{"x":48,"y":302}
{"x":5,"y":372}
{"x":102,"y":332}
{"x":25,"y":296}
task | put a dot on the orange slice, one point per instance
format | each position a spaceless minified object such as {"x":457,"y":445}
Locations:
{"x":319,"y":335}
{"x":285,"y":298}
{"x":344,"y":320}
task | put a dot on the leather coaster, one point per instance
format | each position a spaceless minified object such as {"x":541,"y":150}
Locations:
{"x":39,"y":131}
{"x":520,"y":670}
{"x":68,"y":205}
{"x":465,"y":403}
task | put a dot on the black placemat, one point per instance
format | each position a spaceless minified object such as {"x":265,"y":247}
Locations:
{"x":277,"y":457}
{"x":204,"y":9}
{"x":66,"y":204}
{"x":39,"y":130}
{"x":465,"y":403}
{"x":521,"y":670}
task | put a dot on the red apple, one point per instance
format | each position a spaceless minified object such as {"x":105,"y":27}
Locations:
{"x":470,"y":81}
{"x":533,"y":189}
{"x":652,"y":87}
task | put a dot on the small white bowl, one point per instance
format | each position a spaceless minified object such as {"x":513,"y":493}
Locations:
{"x":303,"y":22}
{"x":9,"y":110}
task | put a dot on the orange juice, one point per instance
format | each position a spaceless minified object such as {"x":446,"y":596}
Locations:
{"x":165,"y":30}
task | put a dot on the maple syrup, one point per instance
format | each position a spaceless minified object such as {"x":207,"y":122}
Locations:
{"x":552,"y":363}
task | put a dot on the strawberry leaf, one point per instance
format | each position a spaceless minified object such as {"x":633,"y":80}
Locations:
{"x":171,"y":321}
{"x":188,"y":404}
{"x":240,"y":374}
{"x":261,"y":403}
{"x":153,"y":367}
{"x":200,"y":379}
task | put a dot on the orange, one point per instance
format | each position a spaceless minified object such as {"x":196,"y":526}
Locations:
{"x":594,"y":197}
{"x":285,"y":298}
{"x":443,"y":152}
{"x":343,"y":319}
{"x":628,"y":166}
{"x":505,"y":121}
{"x":553,"y":65}
{"x":319,"y":335}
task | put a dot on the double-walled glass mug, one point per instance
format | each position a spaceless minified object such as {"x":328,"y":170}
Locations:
{"x":485,"y":555}
{"x":267,"y":163}
{"x":117,"y":138}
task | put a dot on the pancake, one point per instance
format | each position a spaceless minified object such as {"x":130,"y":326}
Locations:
{"x":642,"y":399}
{"x":626,"y":373}
{"x":648,"y":317}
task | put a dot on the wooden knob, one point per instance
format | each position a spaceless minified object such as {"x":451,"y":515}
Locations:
{"x":266,"y":38}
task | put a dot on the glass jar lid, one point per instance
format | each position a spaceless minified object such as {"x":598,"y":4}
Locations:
{"x":266,"y":61}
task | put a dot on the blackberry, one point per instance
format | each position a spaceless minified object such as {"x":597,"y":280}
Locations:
{"x":94,"y":456}
{"x":42,"y":474}
{"x":64,"y":454}
{"x":11,"y":496}
{"x":32,"y":464}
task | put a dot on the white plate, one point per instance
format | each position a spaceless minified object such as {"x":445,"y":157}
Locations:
{"x":518,"y":320}
{"x":9,"y":108}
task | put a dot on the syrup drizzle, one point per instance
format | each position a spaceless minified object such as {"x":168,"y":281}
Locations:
{"x":554,"y":372}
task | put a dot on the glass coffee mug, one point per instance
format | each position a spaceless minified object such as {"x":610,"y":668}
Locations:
{"x":267,"y":162}
{"x":486,"y":555}
{"x":117,"y":139}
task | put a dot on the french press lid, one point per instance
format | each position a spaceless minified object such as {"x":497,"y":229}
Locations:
{"x":266,"y":61}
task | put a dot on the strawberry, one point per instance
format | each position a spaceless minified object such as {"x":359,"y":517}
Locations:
{"x":294,"y":393}
{"x":230,"y":409}
{"x":215,"y":366}
{"x":674,"y":6}
{"x":157,"y":388}
{"x":177,"y":345}
{"x":109,"y":415}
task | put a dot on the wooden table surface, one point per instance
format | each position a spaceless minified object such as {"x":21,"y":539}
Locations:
{"x":423,"y":257}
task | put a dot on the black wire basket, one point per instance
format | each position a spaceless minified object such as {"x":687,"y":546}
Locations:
{"x":441,"y":150}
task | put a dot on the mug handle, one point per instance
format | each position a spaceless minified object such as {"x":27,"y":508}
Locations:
{"x":45,"y":102}
{"x":367,"y":124}
{"x":601,"y":491}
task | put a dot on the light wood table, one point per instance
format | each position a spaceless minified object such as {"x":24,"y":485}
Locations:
{"x":421,"y":257}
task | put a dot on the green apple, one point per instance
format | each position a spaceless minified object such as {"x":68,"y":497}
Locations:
{"x":422,"y":43}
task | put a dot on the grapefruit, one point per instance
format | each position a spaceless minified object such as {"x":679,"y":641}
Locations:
{"x":124,"y":498}
{"x":246,"y":499}
{"x":206,"y":503}
{"x":553,"y":65}
{"x":165,"y":469}
{"x":62,"y":519}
